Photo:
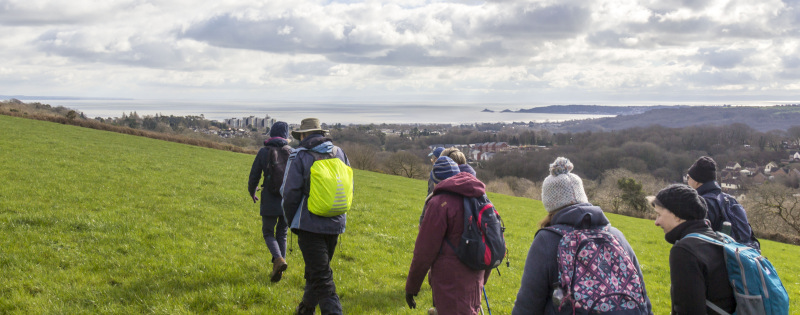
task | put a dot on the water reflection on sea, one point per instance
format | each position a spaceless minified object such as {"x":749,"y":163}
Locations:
{"x":328,"y":113}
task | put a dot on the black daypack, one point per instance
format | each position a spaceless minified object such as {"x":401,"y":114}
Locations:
{"x":482,"y":245}
{"x":733,"y":212}
{"x":276,"y":168}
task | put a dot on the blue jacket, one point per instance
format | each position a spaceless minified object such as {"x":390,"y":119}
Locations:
{"x":270,"y":204}
{"x":541,"y":268}
{"x":296,"y":187}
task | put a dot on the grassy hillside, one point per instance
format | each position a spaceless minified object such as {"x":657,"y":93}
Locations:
{"x":99,"y":222}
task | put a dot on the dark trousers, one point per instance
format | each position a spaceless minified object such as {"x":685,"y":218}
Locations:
{"x":317,"y":253}
{"x":274,"y":230}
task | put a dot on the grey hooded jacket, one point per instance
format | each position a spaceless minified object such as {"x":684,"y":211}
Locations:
{"x":296,"y":187}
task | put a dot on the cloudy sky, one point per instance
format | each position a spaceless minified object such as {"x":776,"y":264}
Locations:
{"x":536,"y":52}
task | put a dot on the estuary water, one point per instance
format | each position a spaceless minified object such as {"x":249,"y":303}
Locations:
{"x":328,"y":113}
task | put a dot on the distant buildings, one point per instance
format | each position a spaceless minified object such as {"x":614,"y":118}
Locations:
{"x":737,"y":176}
{"x":479,"y":151}
{"x":250,"y":122}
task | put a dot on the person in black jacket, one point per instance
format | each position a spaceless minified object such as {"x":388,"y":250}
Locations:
{"x":702,"y":176}
{"x":273,"y":224}
{"x":697,"y":268}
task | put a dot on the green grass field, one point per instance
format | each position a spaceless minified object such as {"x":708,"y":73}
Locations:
{"x":99,"y":222}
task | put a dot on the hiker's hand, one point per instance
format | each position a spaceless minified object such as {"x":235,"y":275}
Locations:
{"x":255,"y":199}
{"x":410,"y":301}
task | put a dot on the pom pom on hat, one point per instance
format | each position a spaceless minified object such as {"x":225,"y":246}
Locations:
{"x":562,"y":188}
{"x":561,"y":166}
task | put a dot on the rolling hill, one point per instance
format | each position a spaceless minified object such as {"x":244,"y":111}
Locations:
{"x":100,"y":222}
{"x":763,"y":118}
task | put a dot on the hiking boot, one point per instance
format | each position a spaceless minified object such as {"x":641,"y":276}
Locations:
{"x":302,"y":309}
{"x":278,"y":267}
{"x":432,"y":311}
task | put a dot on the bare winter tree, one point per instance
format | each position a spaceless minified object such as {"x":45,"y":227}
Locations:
{"x":361,"y":156}
{"x":774,"y":205}
{"x":406,"y":164}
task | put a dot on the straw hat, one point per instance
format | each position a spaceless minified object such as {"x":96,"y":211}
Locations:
{"x":308,"y":125}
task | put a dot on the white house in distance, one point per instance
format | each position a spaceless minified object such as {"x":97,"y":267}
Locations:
{"x":794,"y":156}
{"x":733,"y":166}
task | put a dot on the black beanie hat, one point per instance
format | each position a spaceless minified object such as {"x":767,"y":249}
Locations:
{"x":683,"y":201}
{"x":703,"y":170}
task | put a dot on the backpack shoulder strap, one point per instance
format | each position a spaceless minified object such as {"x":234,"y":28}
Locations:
{"x":725,"y":204}
{"x":705,"y":238}
{"x":716,"y":308}
{"x":559,"y":230}
{"x":272,"y":157}
{"x":466,"y":208}
{"x":297,"y":150}
{"x":722,"y":205}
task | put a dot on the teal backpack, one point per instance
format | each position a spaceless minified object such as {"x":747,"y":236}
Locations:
{"x":756,"y":285}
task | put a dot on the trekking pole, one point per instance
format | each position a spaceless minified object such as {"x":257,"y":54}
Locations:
{"x":488,"y":309}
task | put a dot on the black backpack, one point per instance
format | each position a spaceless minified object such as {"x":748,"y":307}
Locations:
{"x":733,"y":212}
{"x":276,"y":168}
{"x":482,"y":245}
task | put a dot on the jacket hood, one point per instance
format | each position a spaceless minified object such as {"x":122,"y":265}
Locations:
{"x":581,"y":215}
{"x":276,"y":142}
{"x":463,"y":184}
{"x":709,"y":187}
{"x":317,"y":143}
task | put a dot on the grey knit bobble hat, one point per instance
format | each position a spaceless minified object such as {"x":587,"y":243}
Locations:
{"x":562,"y":188}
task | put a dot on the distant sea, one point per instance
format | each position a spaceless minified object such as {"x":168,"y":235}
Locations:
{"x":328,"y":113}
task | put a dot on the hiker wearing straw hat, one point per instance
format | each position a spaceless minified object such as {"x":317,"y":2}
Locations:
{"x":316,"y":223}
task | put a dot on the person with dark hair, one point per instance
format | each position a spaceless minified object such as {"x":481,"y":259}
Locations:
{"x":456,"y":287}
{"x":697,"y":268}
{"x":271,"y":161}
{"x":722,"y":207}
{"x":317,"y":235}
{"x":570,"y":217}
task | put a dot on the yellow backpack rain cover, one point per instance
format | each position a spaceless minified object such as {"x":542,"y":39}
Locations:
{"x":331,"y":187}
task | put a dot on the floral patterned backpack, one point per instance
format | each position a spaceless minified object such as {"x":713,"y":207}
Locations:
{"x":596,"y":274}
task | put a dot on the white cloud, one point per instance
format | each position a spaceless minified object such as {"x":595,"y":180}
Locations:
{"x":434,"y":49}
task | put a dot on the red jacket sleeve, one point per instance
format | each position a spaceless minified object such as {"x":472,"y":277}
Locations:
{"x":429,"y":242}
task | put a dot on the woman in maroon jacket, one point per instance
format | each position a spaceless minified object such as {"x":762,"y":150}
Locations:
{"x":456,"y":287}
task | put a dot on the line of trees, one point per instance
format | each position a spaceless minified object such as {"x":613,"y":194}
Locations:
{"x":619,"y":168}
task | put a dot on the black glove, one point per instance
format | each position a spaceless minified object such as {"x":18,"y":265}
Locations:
{"x":410,"y":300}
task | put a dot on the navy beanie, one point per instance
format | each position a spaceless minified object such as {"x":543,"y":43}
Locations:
{"x":683,"y":201}
{"x":703,"y":170}
{"x":279,"y":129}
{"x":444,"y":168}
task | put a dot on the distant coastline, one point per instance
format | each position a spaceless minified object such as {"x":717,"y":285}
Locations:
{"x":589,"y":109}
